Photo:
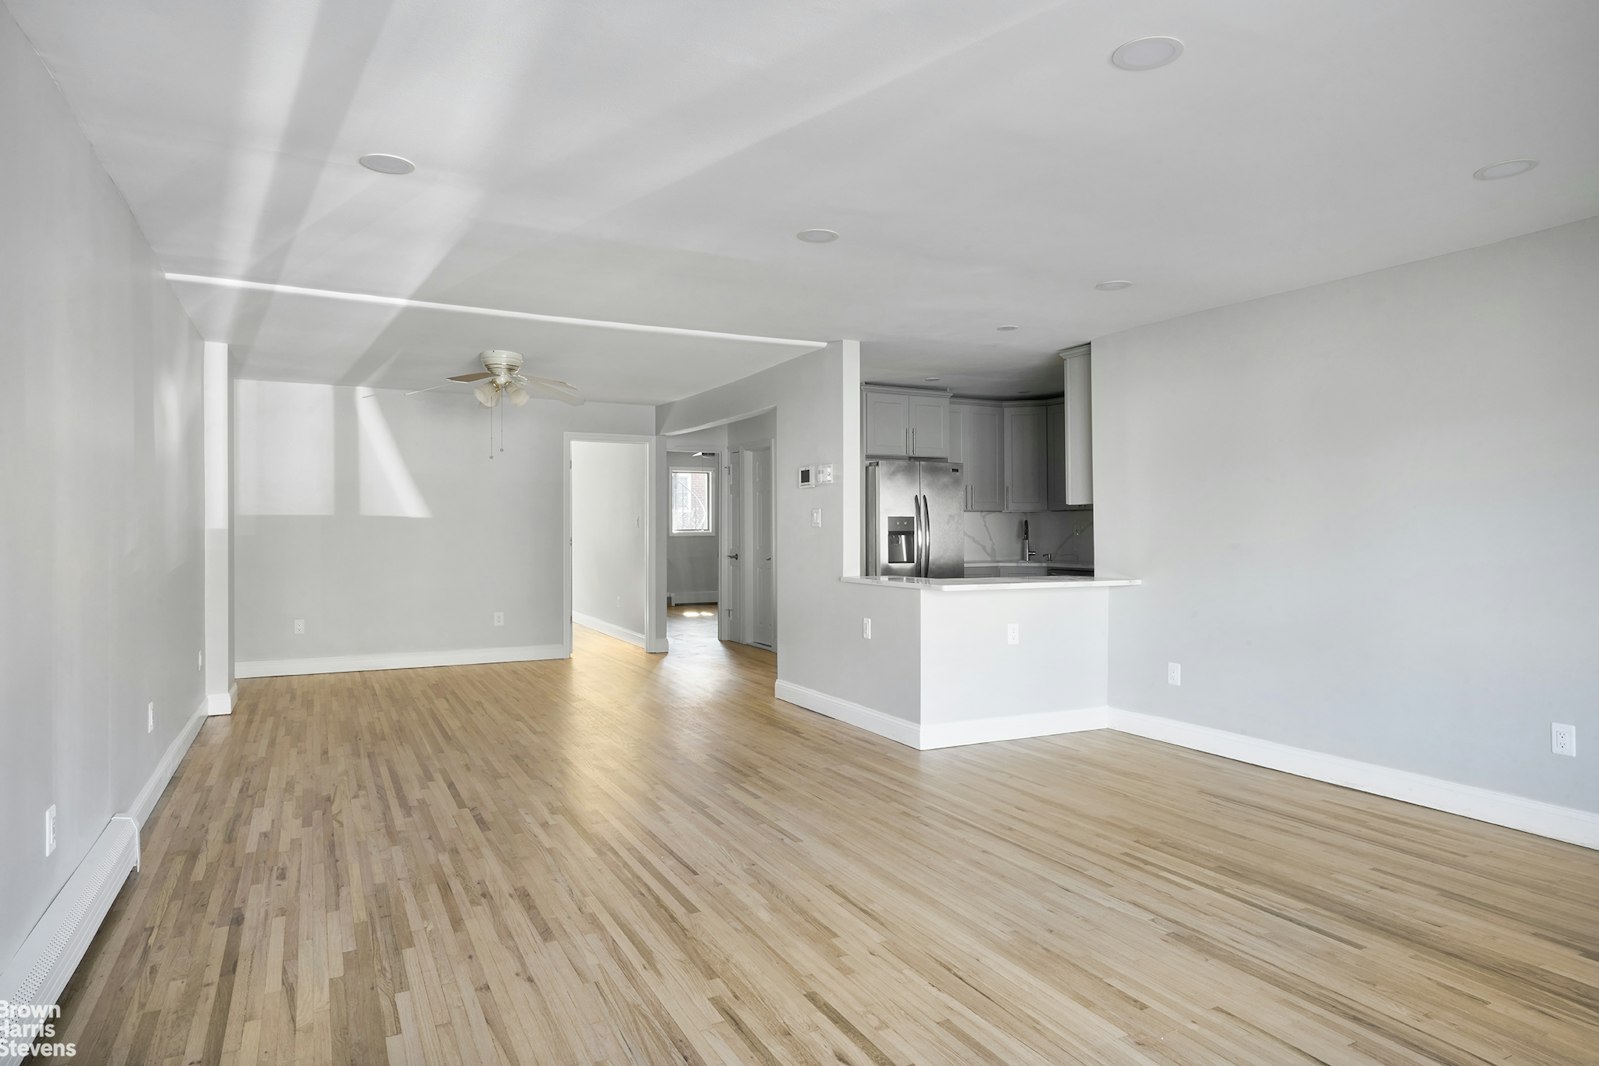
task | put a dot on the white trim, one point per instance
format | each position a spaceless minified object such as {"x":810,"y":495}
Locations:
{"x":493,"y":312}
{"x":146,"y":800}
{"x":39,"y":971}
{"x":220,"y":703}
{"x":695,"y":596}
{"x":1485,"y":805}
{"x":884,"y":725}
{"x":400,"y":660}
{"x":1011,"y":727}
{"x":599,"y":625}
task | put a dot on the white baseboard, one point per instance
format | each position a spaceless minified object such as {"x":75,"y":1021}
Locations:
{"x":599,"y":625}
{"x":45,"y":961}
{"x":1485,"y":805}
{"x":1011,"y":727}
{"x":145,"y":801}
{"x":402,"y":660}
{"x":884,"y":725}
{"x":680,"y":599}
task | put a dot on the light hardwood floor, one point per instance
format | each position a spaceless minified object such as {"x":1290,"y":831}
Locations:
{"x":632,"y":859}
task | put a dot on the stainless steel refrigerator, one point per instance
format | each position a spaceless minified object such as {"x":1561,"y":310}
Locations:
{"x":913,"y":519}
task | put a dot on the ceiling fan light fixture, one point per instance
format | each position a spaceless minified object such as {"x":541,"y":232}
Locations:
{"x":488,"y":394}
{"x":517,"y":395}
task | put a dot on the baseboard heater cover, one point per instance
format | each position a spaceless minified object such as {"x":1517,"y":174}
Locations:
{"x":39,"y":972}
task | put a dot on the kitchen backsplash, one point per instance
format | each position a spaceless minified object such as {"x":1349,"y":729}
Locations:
{"x":993,"y":536}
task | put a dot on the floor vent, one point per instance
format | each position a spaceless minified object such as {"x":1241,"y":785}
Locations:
{"x":53,"y":950}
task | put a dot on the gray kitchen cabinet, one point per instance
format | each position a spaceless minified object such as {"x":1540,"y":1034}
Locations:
{"x":1055,"y":454}
{"x":1026,"y":459}
{"x":1078,"y":409}
{"x":902,"y":422}
{"x":980,"y":430}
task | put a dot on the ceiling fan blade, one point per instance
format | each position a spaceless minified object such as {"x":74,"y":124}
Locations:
{"x":555,"y":390}
{"x":471,"y":377}
{"x":418,"y":392}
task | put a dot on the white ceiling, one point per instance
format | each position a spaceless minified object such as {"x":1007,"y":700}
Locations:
{"x":650,"y":160}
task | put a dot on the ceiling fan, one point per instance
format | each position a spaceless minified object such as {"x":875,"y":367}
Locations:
{"x":502,"y":376}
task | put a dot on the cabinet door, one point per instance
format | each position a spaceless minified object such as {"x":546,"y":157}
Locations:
{"x":888,"y":428}
{"x":1055,"y":454}
{"x":983,"y":442}
{"x":929,"y":417}
{"x":1079,"y":431}
{"x":1026,"y":483}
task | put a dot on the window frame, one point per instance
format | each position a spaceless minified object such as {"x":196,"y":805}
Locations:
{"x":710,"y":501}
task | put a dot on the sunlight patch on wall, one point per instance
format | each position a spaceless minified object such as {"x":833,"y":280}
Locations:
{"x":387,"y":487}
{"x":285,"y":448}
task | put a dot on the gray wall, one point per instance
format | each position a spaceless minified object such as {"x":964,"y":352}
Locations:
{"x":691,"y":561}
{"x":381,"y":520}
{"x":101,"y":558}
{"x":610,"y":494}
{"x":1365,"y":514}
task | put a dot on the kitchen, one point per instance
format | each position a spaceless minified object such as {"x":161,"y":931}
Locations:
{"x":965,"y":488}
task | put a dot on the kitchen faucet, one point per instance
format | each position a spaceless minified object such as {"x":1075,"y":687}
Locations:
{"x":1028,"y":554}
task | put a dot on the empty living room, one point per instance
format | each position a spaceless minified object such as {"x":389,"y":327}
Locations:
{"x":893,"y":533}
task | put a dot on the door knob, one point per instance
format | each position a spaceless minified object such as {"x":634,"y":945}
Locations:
{"x":733,"y":556}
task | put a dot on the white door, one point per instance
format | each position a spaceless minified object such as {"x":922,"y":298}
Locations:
{"x":730,"y":619}
{"x":762,"y":549}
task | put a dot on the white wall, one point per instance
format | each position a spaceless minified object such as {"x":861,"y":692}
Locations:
{"x":381,"y":520}
{"x":816,"y":398}
{"x":610,"y":492}
{"x":1365,"y":515}
{"x":101,"y":556}
{"x":692,"y":561}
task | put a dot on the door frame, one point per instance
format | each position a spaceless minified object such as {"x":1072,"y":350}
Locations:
{"x":747,"y":593}
{"x":731,"y":493}
{"x":654,"y":535}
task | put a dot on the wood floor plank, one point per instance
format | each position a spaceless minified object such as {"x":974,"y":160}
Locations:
{"x":624,"y":858}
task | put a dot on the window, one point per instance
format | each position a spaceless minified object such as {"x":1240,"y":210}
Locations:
{"x":692,"y":503}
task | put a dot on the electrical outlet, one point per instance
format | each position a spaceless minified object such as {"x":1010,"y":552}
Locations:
{"x":199,"y":662}
{"x":1013,"y":633}
{"x":866,"y":628}
{"x":299,"y":627}
{"x":1563,"y":739}
{"x":1174,"y":673}
{"x":499,"y":618}
{"x":149,"y":717}
{"x":50,"y":831}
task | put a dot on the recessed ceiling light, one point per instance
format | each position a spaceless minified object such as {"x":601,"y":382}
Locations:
{"x":817,"y":236}
{"x":1007,"y":329}
{"x":932,"y":379}
{"x":384,"y":163}
{"x":1508,"y":169}
{"x":1147,"y":53}
{"x":1112,"y":286}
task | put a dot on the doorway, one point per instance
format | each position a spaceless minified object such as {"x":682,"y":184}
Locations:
{"x":748,"y":608}
{"x":611,"y":557}
{"x":694,"y":529}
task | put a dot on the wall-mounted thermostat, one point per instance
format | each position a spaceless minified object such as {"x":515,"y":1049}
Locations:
{"x":824,"y":473}
{"x":807,"y":477}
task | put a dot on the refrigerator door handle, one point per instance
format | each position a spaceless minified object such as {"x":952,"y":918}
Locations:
{"x":927,"y":538}
{"x":916,"y":560}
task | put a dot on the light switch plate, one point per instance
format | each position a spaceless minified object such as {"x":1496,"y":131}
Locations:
{"x":824,"y":474}
{"x":816,"y":517}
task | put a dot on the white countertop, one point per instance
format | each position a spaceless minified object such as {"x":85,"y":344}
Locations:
{"x":995,"y":584}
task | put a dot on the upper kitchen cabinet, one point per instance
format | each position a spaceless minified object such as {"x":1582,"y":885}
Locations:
{"x":1076,"y":474}
{"x":1026,"y":461}
{"x":977,"y":430}
{"x":905,"y":422}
